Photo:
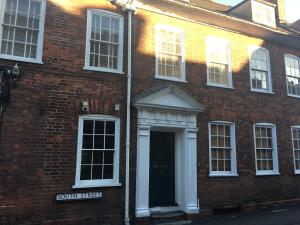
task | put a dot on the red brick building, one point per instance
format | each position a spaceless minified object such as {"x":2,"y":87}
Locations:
{"x":213,"y":121}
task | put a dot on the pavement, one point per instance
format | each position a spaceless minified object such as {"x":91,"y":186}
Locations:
{"x":289,"y":215}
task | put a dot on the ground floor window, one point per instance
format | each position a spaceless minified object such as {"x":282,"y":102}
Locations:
{"x":98,"y":151}
{"x":265,"y":149}
{"x":222,"y":149}
{"x":296,"y":147}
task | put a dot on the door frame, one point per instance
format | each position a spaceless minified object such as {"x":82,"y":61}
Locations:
{"x":184,"y":124}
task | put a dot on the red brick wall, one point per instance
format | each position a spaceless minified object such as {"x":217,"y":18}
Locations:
{"x":39,"y":133}
{"x":239,"y":105}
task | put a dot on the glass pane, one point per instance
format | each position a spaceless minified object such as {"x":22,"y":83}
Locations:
{"x":97,"y":172}
{"x":87,"y":142}
{"x":227,"y":165}
{"x":85,"y":173}
{"x":214,"y":130}
{"x":108,"y":157}
{"x":110,"y":127}
{"x":86,"y":157}
{"x":88,"y":126}
{"x":109,"y":142}
{"x":98,"y":157}
{"x":99,"y":142}
{"x":99,"y":127}
{"x":20,"y":35}
{"x":108,"y":172}
{"x":19,"y":49}
{"x":214,"y":165}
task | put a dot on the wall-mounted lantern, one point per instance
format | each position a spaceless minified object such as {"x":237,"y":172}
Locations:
{"x":15,"y":72}
{"x":7,"y":81}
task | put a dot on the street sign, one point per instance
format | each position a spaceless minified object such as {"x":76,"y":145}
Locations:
{"x":78,"y":196}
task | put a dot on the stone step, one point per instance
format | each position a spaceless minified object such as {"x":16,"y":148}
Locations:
{"x":168,"y":218}
{"x":181,"y":222}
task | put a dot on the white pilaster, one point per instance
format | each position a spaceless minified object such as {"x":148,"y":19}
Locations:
{"x":142,"y":171}
{"x":191,"y":169}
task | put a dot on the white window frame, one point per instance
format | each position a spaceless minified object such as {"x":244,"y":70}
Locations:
{"x":88,"y":36}
{"x":269,"y":74}
{"x":286,"y":76}
{"x":233,"y":171}
{"x":157,"y":41}
{"x":40,"y":42}
{"x":100,"y":182}
{"x":275,"y":170}
{"x":210,"y":41}
{"x":297,"y":171}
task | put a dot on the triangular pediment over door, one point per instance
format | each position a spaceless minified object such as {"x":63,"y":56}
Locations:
{"x":170,"y":97}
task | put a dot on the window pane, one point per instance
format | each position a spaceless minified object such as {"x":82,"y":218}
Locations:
{"x":87,"y":142}
{"x":85,"y":173}
{"x":109,"y":142}
{"x":99,"y":127}
{"x":97,"y":172}
{"x":88,"y":127}
{"x":108,"y":157}
{"x":110,"y":127}
{"x":108,"y":172}
{"x":99,"y":142}
{"x":98,"y":157}
{"x":86,"y":157}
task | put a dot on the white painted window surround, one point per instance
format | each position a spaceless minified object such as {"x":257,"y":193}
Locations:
{"x":296,"y":147}
{"x":219,"y":73}
{"x":104,"y":41}
{"x":170,"y":53}
{"x":263,"y":13}
{"x":98,"y":149}
{"x":22,"y":30}
{"x":292,"y":70}
{"x":222,"y":149}
{"x":260,"y":69}
{"x":265,"y":145}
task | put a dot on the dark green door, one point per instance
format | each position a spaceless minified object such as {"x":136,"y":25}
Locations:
{"x":162,"y":169}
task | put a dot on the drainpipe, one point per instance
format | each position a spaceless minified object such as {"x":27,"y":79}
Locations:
{"x":127,"y":220}
{"x":127,"y":5}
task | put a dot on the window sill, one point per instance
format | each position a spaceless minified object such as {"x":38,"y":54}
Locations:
{"x":223,"y":175}
{"x":219,"y":86}
{"x":297,"y":172}
{"x":169,"y":78}
{"x":294,"y":96}
{"x":21,"y":59}
{"x":97,"y":186}
{"x":102,"y":70}
{"x":267,"y":174}
{"x":263,"y":92}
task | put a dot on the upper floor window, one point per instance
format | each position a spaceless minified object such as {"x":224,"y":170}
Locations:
{"x":296,"y":147}
{"x":292,"y":68}
{"x":218,"y":62}
{"x":22,"y":29}
{"x":260,"y":70}
{"x":263,"y":13}
{"x":222,"y":149}
{"x":104,"y":41}
{"x":265,"y":149}
{"x":98,"y":151}
{"x":170,"y":63}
